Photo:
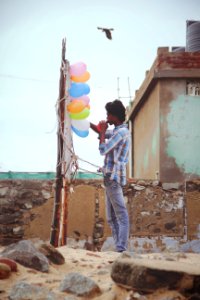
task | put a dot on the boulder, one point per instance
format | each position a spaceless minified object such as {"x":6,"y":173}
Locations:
{"x":25,"y":253}
{"x":23,"y":290}
{"x":150,"y":274}
{"x":79,"y":285}
{"x":51,"y":253}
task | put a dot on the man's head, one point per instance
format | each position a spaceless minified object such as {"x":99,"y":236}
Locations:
{"x":116,"y":112}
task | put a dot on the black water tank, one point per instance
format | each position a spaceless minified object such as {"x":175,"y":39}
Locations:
{"x":193,"y":36}
{"x":178,"y":49}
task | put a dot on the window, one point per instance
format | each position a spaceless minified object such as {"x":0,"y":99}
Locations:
{"x":193,"y":88}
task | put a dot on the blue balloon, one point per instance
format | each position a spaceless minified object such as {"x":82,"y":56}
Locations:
{"x":80,"y":132}
{"x":79,"y":89}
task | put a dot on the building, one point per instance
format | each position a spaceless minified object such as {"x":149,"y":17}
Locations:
{"x":165,"y":119}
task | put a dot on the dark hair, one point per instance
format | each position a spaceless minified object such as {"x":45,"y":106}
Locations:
{"x":117,"y":109}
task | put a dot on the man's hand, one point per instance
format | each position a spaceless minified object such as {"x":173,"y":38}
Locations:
{"x":102,"y":126}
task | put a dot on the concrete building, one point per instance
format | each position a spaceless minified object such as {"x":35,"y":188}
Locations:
{"x":165,"y":119}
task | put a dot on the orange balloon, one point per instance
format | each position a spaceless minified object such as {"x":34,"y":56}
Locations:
{"x":82,"y":78}
{"x":76,"y":106}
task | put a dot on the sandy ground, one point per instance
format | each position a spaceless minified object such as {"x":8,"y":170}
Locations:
{"x":96,"y":265}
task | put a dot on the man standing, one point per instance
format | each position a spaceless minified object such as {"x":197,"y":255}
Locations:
{"x":114,"y":144}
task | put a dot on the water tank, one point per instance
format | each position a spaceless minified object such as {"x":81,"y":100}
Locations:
{"x":178,"y":49}
{"x":193,"y":36}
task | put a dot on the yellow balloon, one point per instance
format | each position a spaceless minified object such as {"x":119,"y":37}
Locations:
{"x":82,"y":78}
{"x":76,"y":106}
{"x":82,"y":115}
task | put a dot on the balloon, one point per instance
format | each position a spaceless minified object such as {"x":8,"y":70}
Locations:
{"x":82,"y":115}
{"x":83,"y":78}
{"x":76,"y":106}
{"x":79,"y":89}
{"x":80,"y":132}
{"x":77,"y":69}
{"x":82,"y":125}
{"x":83,"y":98}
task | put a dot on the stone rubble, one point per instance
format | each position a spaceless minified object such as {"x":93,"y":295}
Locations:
{"x":155,"y":276}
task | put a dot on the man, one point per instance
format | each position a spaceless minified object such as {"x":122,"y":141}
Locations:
{"x":114,"y":144}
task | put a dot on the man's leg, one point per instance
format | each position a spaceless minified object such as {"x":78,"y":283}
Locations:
{"x":118,"y":214}
{"x":111,"y":219}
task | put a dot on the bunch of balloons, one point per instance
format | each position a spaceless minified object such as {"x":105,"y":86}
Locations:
{"x":79,"y":108}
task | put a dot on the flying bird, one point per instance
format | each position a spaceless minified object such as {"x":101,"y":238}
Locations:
{"x":107,"y":32}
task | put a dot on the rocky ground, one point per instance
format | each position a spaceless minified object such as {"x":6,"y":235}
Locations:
{"x":38,"y":271}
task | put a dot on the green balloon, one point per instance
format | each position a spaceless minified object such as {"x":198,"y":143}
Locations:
{"x":82,"y":115}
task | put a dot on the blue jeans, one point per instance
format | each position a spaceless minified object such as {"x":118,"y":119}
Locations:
{"x":117,"y":215}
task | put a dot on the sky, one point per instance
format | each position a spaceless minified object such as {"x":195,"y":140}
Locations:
{"x":31,"y":34}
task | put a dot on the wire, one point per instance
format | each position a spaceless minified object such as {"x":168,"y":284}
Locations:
{"x":26,"y":78}
{"x":88,"y":162}
{"x":91,"y":172}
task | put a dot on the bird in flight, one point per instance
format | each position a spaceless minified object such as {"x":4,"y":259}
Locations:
{"x":107,"y":32}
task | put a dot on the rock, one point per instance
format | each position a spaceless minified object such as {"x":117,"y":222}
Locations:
{"x":149,"y":275}
{"x":25,"y":253}
{"x":79,"y":285}
{"x":138,"y":187}
{"x":170,"y":225}
{"x":18,"y":230}
{"x":166,"y":295}
{"x":25,"y":291}
{"x":11,"y":263}
{"x":70,"y":297}
{"x":4,"y":191}
{"x":28,"y":205}
{"x":171,"y":185}
{"x":46,"y":194}
{"x":5,"y":271}
{"x":142,"y":182}
{"x":155,"y":183}
{"x":51,"y":253}
{"x":10,"y":218}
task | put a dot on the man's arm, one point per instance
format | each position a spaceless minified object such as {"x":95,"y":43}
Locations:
{"x":112,"y":142}
{"x":102,"y":133}
{"x":94,"y":127}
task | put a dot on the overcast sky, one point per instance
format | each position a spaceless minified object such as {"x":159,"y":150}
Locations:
{"x":31,"y":35}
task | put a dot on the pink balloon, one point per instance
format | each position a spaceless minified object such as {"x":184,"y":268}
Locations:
{"x":84,"y":98}
{"x":77,"y":69}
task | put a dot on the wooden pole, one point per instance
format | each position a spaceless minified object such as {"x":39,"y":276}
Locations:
{"x":68,"y":158}
{"x":55,"y":228}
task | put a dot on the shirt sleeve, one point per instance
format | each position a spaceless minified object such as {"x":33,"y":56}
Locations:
{"x":108,"y":134}
{"x":104,"y":148}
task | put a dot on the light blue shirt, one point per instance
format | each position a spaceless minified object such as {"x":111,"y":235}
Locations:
{"x":116,"y":150}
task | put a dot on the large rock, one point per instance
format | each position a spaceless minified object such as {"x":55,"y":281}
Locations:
{"x":79,"y":285}
{"x":25,"y":253}
{"x":51,"y":253}
{"x":24,"y":291}
{"x":150,"y":274}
